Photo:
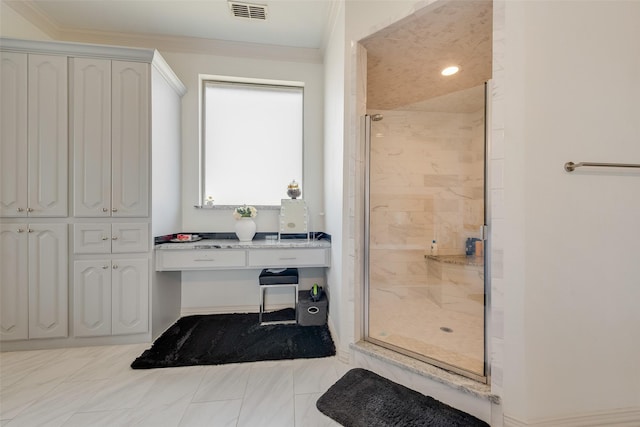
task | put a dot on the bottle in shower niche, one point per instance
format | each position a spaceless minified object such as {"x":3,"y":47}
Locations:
{"x":434,"y":248}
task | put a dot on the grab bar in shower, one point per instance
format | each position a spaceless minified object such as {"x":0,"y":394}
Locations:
{"x":570,"y":166}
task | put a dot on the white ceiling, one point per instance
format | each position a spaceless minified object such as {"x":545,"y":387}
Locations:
{"x":292,"y":23}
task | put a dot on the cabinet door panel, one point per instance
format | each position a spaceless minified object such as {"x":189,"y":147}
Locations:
{"x":48,"y":284}
{"x":13,"y":134}
{"x":14,"y":297}
{"x":92,"y":298}
{"x":91,"y":106}
{"x":91,"y":238}
{"x":130,"y":296}
{"x":47,"y":136}
{"x":130,"y":139}
{"x":129,"y":237}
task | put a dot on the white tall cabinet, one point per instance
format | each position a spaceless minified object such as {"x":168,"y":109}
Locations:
{"x":110,"y":138}
{"x":33,"y":132}
{"x":76,"y":211}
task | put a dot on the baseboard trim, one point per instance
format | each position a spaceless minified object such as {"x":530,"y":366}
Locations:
{"x":627,"y":417}
{"x":191,"y":311}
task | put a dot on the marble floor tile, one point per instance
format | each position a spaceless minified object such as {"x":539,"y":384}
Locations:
{"x":307,"y":413}
{"x":223,"y":382}
{"x":268,"y":400}
{"x":95,"y":386}
{"x":223,"y":413}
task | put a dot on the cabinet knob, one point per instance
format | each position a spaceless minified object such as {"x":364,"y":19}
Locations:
{"x":114,"y":238}
{"x":20,"y":209}
{"x":30,"y":230}
{"x":105,"y":238}
{"x":105,"y":210}
{"x":20,"y":230}
{"x":29,"y":209}
{"x":104,"y":267}
{"x":114,"y":210}
{"x":115,"y":266}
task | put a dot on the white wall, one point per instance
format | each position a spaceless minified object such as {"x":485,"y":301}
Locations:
{"x":571,"y":270}
{"x":188,"y":67}
{"x":334,"y":61}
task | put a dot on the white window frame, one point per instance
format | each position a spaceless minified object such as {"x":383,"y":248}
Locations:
{"x":204,"y":79}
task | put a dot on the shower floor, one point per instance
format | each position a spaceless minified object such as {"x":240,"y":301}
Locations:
{"x":406,"y":317}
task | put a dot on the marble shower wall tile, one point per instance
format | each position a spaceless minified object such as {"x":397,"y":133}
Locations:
{"x":427,"y":182}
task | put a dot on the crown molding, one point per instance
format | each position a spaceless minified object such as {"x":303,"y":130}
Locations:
{"x":178,"y":44}
{"x":196,"y":45}
{"x":167,"y":73}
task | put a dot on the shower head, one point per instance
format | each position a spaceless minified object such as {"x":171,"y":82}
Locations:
{"x":376,"y":117}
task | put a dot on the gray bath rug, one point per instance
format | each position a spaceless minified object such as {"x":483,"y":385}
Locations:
{"x":362,"y":398}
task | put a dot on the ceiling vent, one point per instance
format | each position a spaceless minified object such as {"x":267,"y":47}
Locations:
{"x":248,"y":10}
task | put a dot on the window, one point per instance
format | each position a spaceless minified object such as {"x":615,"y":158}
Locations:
{"x":252,"y":141}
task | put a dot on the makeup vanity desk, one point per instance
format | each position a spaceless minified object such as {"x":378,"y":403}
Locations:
{"x":229,"y":254}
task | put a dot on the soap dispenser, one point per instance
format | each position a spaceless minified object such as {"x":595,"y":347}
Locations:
{"x":434,"y":248}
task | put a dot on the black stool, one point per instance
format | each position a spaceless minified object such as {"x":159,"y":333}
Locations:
{"x":278,"y":278}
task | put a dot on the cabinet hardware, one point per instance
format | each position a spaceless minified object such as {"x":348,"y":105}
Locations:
{"x":30,"y":230}
{"x":105,"y":210}
{"x":105,"y":238}
{"x":104,"y":267}
{"x":114,"y":238}
{"x":287,"y":259}
{"x":115,"y":266}
{"x":20,"y":230}
{"x":29,"y":209}
{"x":114,"y":210}
{"x":20,"y":210}
{"x":204,"y":259}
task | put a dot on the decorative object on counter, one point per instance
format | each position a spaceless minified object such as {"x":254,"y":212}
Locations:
{"x":184,"y":238}
{"x":208,"y":201}
{"x":434,"y":248}
{"x":294,"y":217}
{"x":245,"y":226}
{"x":293,"y":190}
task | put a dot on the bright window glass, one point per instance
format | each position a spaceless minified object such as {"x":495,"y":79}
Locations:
{"x":252,"y":142}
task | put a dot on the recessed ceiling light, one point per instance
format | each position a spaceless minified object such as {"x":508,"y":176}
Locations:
{"x":449,"y":71}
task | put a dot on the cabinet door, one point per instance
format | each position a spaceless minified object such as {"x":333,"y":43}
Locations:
{"x":48,"y":284}
{"x":129,"y":237}
{"x":91,"y":238}
{"x":130,"y":139}
{"x":91,"y":298}
{"x":130,"y":296}
{"x":91,"y":109}
{"x":13,"y":134}
{"x":47,"y":136}
{"x":14,"y":298}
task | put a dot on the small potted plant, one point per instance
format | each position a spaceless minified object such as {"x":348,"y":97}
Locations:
{"x":245,"y":226}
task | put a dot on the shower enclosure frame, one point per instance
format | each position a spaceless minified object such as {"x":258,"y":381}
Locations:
{"x":485,"y":232}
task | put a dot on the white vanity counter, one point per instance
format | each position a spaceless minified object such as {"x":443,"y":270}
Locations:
{"x":228,"y":254}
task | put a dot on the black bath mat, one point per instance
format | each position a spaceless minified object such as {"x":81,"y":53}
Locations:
{"x":363,"y":398}
{"x":230,"y":338}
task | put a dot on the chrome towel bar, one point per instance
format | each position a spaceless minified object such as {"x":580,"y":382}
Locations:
{"x":570,"y":166}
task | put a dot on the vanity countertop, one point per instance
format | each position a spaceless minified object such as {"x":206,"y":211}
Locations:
{"x":254,"y":244}
{"x":458,"y":259}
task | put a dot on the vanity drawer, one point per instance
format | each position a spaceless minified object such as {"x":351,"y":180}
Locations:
{"x":295,"y":257}
{"x":199,"y":259}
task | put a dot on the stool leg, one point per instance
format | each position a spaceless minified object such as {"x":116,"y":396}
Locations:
{"x":261,"y":304}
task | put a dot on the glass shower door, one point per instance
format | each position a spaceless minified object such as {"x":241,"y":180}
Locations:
{"x":426,"y":188}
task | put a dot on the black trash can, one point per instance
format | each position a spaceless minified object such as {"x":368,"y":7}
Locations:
{"x":312,"y":313}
